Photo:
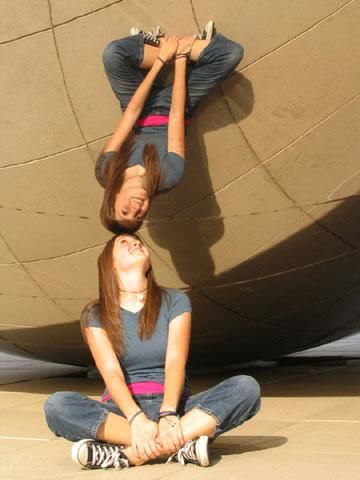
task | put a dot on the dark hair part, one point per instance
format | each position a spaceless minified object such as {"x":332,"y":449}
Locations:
{"x":108,"y":303}
{"x":115,"y":178}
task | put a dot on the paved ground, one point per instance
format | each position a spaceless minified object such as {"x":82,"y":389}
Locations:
{"x":309,"y":426}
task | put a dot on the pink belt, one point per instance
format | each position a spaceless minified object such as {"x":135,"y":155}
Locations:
{"x":139,"y":388}
{"x":156,"y":120}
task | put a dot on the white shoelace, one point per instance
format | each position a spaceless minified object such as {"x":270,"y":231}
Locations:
{"x":148,"y":36}
{"x":105,"y":456}
{"x":154,"y":33}
{"x":187,"y":452}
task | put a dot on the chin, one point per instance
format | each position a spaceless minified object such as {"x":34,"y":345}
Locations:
{"x":141,"y":257}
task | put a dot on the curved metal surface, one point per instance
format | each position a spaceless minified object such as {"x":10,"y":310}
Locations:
{"x":263,"y":232}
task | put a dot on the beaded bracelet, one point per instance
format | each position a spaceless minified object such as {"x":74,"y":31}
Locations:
{"x":131,"y":419}
{"x":167,"y":413}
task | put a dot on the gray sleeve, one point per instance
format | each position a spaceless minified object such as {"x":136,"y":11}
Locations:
{"x":172,"y":171}
{"x":93,"y":318}
{"x":102,"y":166}
{"x":180,"y":303}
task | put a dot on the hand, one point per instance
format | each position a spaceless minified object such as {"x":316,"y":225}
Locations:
{"x":168,"y":47}
{"x":170,"y":434}
{"x":143,"y":437}
{"x":184,"y":45}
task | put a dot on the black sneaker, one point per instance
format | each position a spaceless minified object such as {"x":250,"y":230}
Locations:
{"x":207,"y":33}
{"x":194,"y":451}
{"x":152,"y":37}
{"x":93,"y":454}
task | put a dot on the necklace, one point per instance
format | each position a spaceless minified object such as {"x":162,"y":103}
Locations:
{"x":140,"y":296}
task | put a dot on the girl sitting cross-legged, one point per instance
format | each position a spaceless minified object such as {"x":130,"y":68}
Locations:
{"x":139,"y":335}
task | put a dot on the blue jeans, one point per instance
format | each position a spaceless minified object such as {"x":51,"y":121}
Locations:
{"x":231,"y":402}
{"x":122,"y":59}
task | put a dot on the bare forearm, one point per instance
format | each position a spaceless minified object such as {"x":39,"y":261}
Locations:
{"x":176,"y":130}
{"x":179,"y":88}
{"x":120,"y":393}
{"x":174,"y":386}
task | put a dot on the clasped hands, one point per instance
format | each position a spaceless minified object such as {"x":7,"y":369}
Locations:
{"x":151,"y":440}
{"x":175,"y":46}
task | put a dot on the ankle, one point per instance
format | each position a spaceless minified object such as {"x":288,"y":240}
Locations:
{"x":132,"y":457}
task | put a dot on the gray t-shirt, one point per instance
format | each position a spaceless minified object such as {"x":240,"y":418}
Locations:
{"x":144,"y":360}
{"x":171,"y":164}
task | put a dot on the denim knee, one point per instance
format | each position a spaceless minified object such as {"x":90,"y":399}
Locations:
{"x":235,"y":54}
{"x":109,"y":53}
{"x":55,"y":406}
{"x":240,"y":402}
{"x":123,"y":49}
{"x":249,"y":388}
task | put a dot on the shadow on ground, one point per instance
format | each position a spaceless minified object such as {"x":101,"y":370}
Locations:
{"x":232,"y":444}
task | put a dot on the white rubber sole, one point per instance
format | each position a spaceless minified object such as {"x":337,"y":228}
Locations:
{"x":77,"y":455}
{"x":202,"y":452}
{"x":209,"y":29}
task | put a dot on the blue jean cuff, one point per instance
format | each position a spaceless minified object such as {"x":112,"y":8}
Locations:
{"x":96,"y":425}
{"x":203,"y":52}
{"x":209,"y":412}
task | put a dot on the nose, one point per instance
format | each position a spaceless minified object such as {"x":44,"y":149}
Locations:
{"x":136,"y":243}
{"x":135,"y":208}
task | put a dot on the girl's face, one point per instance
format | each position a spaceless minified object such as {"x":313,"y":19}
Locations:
{"x":131,"y":203}
{"x":130,"y":252}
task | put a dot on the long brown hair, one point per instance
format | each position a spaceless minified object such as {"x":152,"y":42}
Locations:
{"x":108,"y":308}
{"x":115,"y":178}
